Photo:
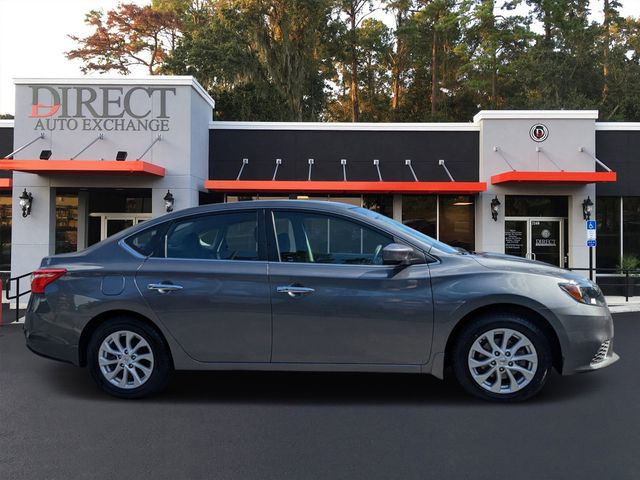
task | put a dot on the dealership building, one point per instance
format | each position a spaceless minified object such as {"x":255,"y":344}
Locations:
{"x":85,"y":158}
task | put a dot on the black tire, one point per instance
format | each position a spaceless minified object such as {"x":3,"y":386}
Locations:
{"x":160,"y":368}
{"x":481,"y":326}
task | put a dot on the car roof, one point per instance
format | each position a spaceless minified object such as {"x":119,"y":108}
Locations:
{"x":308,"y":204}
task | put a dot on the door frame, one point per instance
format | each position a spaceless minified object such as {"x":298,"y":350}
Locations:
{"x":530,"y":255}
{"x":106,"y":216}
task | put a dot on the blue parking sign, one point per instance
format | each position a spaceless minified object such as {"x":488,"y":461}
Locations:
{"x":591,"y":224}
{"x":591,"y":243}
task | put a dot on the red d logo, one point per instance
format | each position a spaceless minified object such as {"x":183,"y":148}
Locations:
{"x":47,"y":108}
{"x":51,"y":110}
{"x":539,"y":132}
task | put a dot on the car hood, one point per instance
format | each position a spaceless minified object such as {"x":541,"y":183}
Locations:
{"x":499,"y":261}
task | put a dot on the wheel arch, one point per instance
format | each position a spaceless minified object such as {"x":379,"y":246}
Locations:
{"x":543,"y":323}
{"x":95,"y":322}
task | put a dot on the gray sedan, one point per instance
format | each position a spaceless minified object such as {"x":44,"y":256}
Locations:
{"x":314,"y":286}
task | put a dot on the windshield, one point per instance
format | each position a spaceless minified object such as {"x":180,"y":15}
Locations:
{"x":432,"y":242}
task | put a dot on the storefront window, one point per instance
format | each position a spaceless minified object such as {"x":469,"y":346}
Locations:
{"x":631,"y":226}
{"x":66,"y":223}
{"x":420,"y":212}
{"x":5,"y":232}
{"x":382,"y":204}
{"x":608,"y":217}
{"x":457,"y":227}
{"x":535,"y":206}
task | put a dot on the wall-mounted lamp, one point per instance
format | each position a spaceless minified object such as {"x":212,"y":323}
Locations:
{"x":45,"y":154}
{"x":168,"y":201}
{"x":121,"y":156}
{"x":26,"y":199}
{"x":495,"y":208}
{"x":587,"y":208}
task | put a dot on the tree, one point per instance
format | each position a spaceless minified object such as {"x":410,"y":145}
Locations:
{"x":130,"y":35}
{"x":402,"y":11}
{"x":352,"y":12}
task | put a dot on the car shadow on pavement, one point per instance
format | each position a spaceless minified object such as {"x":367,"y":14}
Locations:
{"x":314,"y":388}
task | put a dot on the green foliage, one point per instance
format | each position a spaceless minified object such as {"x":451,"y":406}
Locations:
{"x":629,"y":263}
{"x":336,"y":60}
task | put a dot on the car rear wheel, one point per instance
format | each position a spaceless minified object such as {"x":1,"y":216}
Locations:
{"x":503,"y":357}
{"x":128,"y":359}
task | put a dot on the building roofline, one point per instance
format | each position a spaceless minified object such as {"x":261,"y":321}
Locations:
{"x":168,"y":80}
{"x":620,"y":126}
{"x":426,"y":126}
{"x":535,"y":115}
{"x":600,"y":126}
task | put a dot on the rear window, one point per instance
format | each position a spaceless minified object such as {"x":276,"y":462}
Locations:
{"x":149,"y":242}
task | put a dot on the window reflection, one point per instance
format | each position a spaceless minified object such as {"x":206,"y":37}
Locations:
{"x":608,"y":228}
{"x":457,"y":221}
{"x":420,"y":212}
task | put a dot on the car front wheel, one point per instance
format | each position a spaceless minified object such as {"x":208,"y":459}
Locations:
{"x":503,"y":357}
{"x":128,"y":359}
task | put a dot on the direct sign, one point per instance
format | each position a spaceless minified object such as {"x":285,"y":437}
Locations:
{"x":89,"y":108}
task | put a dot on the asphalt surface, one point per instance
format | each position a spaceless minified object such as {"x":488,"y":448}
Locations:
{"x":55,"y":424}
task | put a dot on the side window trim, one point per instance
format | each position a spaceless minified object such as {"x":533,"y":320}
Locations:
{"x":274,"y":251}
{"x":260,"y":225}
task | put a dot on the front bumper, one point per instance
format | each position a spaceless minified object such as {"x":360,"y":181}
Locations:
{"x":586,"y":339}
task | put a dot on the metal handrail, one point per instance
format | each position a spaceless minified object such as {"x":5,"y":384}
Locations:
{"x":622,"y":271}
{"x":18,"y":294}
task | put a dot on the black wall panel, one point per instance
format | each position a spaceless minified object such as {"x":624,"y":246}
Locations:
{"x":227,"y":148}
{"x":6,"y":147}
{"x":620,"y":151}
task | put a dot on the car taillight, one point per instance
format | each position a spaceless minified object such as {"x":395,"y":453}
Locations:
{"x":41,"y":278}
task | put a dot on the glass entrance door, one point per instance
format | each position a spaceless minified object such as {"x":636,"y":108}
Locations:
{"x":111,"y":223}
{"x":541,"y":239}
{"x":546,"y":242}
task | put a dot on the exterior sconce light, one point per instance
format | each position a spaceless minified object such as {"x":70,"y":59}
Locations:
{"x":495,"y":208}
{"x":168,"y":201}
{"x":26,"y":199}
{"x":587,"y":208}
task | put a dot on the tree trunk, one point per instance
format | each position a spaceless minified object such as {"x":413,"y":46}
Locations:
{"x":434,"y":72}
{"x":607,"y":41}
{"x":355,"y":104}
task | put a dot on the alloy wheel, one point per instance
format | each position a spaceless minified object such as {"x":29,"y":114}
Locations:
{"x":125,"y":359}
{"x":502,"y":360}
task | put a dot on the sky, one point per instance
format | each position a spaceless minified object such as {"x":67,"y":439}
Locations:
{"x":34,"y":37}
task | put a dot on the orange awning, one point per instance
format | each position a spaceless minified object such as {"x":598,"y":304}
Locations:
{"x":553,"y":177}
{"x":314,"y":186}
{"x":79,"y":167}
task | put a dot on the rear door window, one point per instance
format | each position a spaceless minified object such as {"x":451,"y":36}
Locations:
{"x":229,"y":236}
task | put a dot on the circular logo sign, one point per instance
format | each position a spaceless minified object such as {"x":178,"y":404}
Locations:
{"x":539,"y":132}
{"x":545,"y":233}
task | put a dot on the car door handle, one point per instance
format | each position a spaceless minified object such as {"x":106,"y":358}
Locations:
{"x":164,"y":287}
{"x":295,"y":291}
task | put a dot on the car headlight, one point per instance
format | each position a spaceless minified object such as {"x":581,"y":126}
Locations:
{"x":588,"y":293}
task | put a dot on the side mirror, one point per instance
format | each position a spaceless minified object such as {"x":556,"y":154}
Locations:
{"x":398,"y":254}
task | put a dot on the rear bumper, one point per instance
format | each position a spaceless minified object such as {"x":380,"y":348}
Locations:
{"x":48,"y":349}
{"x":48,"y":338}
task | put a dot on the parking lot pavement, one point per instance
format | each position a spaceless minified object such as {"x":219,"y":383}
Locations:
{"x":55,"y":424}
